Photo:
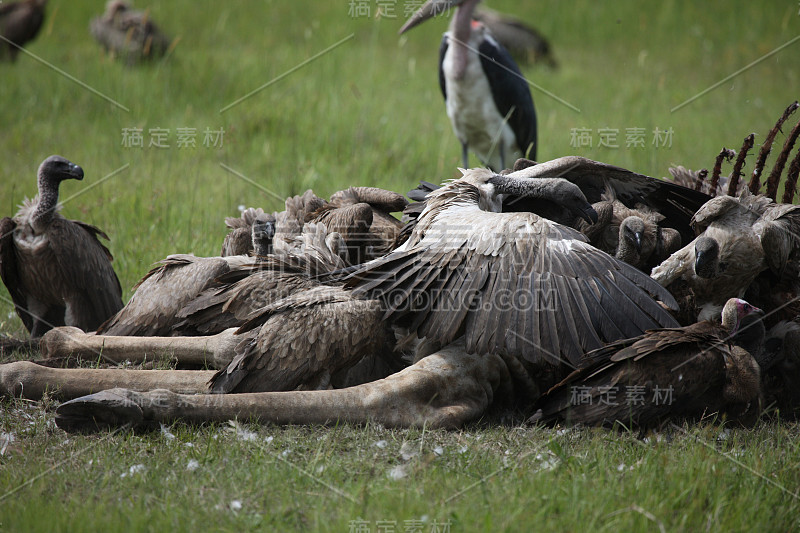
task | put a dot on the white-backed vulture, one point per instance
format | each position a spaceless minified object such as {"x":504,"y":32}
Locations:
{"x":289,"y":222}
{"x":576,"y":296}
{"x":739,"y":238}
{"x":664,"y":374}
{"x":20,"y":22}
{"x":56,"y":270}
{"x":236,"y":295}
{"x":162,"y":293}
{"x":128,"y":34}
{"x":512,"y":283}
{"x":598,"y":182}
{"x":384,"y":228}
{"x":240,"y":239}
{"x":631,"y":235}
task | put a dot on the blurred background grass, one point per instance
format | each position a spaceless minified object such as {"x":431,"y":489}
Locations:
{"x":368,"y":112}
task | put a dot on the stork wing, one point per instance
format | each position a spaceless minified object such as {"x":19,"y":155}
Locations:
{"x":513,"y":283}
{"x":510,"y":93}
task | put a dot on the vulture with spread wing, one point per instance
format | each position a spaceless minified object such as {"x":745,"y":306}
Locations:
{"x":512,"y":283}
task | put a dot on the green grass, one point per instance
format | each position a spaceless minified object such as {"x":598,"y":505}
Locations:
{"x":369,"y":112}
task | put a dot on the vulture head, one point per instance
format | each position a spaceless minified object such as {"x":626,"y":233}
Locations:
{"x":706,"y":257}
{"x":557,"y":190}
{"x":55,"y":169}
{"x":263,"y":231}
{"x":745,"y":324}
{"x":631,"y":232}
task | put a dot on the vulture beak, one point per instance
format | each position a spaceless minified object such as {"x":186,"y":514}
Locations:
{"x":430,"y":9}
{"x":704,"y":264}
{"x":75,"y":171}
{"x":587,"y":213}
{"x":637,"y":241}
{"x":270,"y":230}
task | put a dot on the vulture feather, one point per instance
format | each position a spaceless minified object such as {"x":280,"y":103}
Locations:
{"x":57,"y":271}
{"x":739,"y":237}
{"x":512,"y":283}
{"x":686,"y":372}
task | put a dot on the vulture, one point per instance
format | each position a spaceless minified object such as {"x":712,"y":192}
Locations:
{"x":631,"y":235}
{"x":236,"y":295}
{"x":57,"y":271}
{"x":685,"y":372}
{"x":513,"y":284}
{"x":673,"y":204}
{"x":289,"y":222}
{"x":524,"y":42}
{"x":781,"y":372}
{"x":19,"y":23}
{"x":240,"y":241}
{"x":487,"y":99}
{"x":739,"y":238}
{"x":305,"y":338}
{"x":129,"y":34}
{"x":361,"y":215}
{"x":163,"y":291}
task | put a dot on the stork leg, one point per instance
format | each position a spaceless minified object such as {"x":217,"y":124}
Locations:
{"x":24,"y":379}
{"x":215,"y":351}
{"x":445,"y":389}
{"x":465,"y":154}
{"x":501,"y":146}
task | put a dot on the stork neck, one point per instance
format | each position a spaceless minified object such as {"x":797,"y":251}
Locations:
{"x":460,"y":31}
{"x":46,"y":206}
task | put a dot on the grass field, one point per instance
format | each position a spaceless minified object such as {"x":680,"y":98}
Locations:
{"x":368,"y":112}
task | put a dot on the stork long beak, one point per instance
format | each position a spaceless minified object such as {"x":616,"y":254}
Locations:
{"x":429,"y":9}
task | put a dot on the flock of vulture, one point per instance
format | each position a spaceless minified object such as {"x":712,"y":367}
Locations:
{"x":571,"y":290}
{"x":553,"y":288}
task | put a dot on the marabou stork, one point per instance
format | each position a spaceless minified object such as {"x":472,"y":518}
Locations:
{"x":487,"y":98}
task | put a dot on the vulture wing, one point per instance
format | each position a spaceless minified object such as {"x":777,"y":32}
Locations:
{"x":513,"y":283}
{"x":9,"y":272}
{"x":85,"y":264}
{"x":305,"y":337}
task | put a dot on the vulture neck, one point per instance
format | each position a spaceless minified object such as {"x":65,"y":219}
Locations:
{"x":750,"y":336}
{"x":47,"y":205}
